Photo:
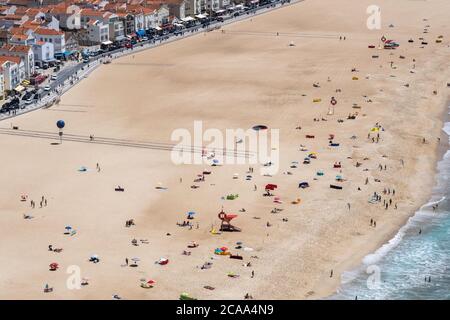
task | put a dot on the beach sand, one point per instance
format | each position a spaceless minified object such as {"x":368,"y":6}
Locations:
{"x":238,"y":78}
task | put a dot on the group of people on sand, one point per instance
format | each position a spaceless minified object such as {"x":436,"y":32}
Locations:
{"x":42,"y":203}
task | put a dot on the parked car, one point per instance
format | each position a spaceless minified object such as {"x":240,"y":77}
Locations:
{"x":54,"y":77}
{"x":47,"y":88}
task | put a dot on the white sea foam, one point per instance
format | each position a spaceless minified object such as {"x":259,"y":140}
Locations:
{"x":425,"y":213}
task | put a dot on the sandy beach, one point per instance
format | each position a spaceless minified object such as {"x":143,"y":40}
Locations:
{"x":243,"y":75}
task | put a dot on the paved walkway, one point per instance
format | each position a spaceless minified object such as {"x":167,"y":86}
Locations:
{"x":71,"y":75}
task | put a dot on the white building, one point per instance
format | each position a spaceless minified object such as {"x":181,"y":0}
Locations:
{"x":116,"y":28}
{"x":43,"y":52}
{"x":10,"y":73}
{"x":25,"y":53}
{"x":55,"y":37}
{"x":97,"y":31}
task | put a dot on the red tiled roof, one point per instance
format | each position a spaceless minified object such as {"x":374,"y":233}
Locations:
{"x":3,"y":59}
{"x":16,"y":48}
{"x":47,"y":32}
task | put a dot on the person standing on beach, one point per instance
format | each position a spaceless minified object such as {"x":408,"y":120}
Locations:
{"x":331,"y":273}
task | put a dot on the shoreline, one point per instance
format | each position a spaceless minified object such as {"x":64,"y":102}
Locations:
{"x":357,"y":262}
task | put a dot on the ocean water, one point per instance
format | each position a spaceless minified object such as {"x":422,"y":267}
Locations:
{"x":402,"y":268}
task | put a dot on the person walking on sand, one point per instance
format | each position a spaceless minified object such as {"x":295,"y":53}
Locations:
{"x":253,"y":273}
{"x":126,"y":261}
{"x":331,"y":273}
{"x":348,"y":205}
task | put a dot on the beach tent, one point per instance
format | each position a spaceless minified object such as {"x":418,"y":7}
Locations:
{"x":163,"y":261}
{"x":186,"y":296}
{"x":303,"y":185}
{"x":191,"y":214}
{"x":53,"y":266}
{"x":271,"y":186}
{"x":259,"y":127}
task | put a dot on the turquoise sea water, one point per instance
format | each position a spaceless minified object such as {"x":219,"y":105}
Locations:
{"x":402,"y":268}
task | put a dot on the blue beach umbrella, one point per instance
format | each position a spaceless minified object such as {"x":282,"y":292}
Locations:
{"x":60,"y":124}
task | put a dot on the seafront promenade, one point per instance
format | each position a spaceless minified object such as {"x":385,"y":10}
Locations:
{"x":69,"y":76}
